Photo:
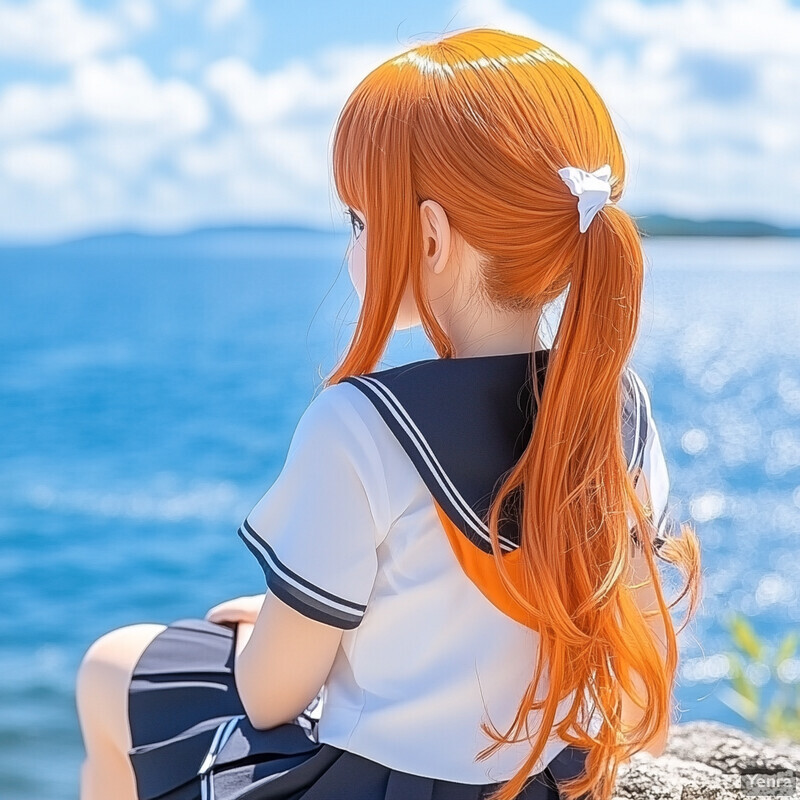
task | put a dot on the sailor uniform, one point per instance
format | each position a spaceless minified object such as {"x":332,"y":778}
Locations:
{"x":376,"y":525}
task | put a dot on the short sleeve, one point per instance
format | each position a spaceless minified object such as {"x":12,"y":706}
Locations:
{"x":646,"y":461}
{"x":315,"y":532}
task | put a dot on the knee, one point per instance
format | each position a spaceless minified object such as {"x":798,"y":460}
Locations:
{"x":105,"y":673}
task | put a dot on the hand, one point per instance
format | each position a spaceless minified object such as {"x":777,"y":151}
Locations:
{"x":240,"y":609}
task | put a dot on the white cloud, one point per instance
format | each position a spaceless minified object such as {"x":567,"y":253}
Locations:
{"x":120,"y":93}
{"x":125,"y":93}
{"x":139,"y":14}
{"x":55,"y":31}
{"x":705,"y":95}
{"x":40,"y":165}
{"x":252,"y":99}
{"x":221,"y":12}
{"x":29,"y":109}
{"x":150,"y":154}
{"x":738,"y":28}
{"x":185,"y":59}
{"x":183,"y":6}
{"x":125,"y":154}
{"x":299,"y":88}
{"x":702,"y":154}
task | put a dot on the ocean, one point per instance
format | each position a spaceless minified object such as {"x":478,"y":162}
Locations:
{"x":150,"y":386}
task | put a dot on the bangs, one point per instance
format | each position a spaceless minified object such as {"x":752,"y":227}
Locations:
{"x":353,"y":151}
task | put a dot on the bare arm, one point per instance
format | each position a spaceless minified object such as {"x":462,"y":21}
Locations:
{"x":282,"y":656}
{"x":285,"y":660}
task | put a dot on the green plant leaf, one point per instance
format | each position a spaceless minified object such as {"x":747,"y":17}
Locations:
{"x":787,"y":647}
{"x":745,"y":637}
{"x":745,"y":687}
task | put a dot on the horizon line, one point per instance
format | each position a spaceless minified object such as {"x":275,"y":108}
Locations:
{"x":656,"y":225}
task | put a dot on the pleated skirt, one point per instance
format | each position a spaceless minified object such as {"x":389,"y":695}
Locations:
{"x":192,"y":739}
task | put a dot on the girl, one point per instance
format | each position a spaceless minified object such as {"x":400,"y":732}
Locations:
{"x":462,"y":595}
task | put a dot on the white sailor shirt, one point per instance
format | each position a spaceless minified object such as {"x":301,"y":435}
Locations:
{"x":351,"y":534}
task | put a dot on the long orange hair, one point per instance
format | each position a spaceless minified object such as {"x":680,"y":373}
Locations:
{"x":481,"y":121}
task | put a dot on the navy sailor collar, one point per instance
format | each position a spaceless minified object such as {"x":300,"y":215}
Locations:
{"x":465,"y":422}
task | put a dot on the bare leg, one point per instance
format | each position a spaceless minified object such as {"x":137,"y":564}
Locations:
{"x":102,"y":688}
{"x":243,"y":631}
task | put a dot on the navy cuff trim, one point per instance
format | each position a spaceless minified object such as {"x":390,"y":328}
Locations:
{"x":302,"y":595}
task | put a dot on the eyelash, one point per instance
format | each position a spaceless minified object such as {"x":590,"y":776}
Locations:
{"x":354,"y":222}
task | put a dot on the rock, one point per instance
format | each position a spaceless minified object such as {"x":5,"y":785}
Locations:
{"x":712,"y":761}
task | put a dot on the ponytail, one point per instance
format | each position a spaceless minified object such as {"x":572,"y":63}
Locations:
{"x":575,"y":536}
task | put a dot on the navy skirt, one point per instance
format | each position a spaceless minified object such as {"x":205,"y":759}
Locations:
{"x":192,"y":740}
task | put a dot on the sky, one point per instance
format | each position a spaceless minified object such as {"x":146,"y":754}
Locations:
{"x":169,"y":115}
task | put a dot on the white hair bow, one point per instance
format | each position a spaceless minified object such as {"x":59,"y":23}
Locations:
{"x":591,"y":188}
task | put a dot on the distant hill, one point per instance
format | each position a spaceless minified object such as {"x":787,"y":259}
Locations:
{"x":664,"y":225}
{"x":648,"y":224}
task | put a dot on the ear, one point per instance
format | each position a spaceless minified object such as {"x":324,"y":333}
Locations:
{"x":436,"y":235}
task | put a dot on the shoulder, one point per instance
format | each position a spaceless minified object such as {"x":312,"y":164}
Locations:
{"x":342,"y":411}
{"x":634,"y":386}
{"x":636,"y":392}
{"x":341,"y":427}
{"x":637,"y":419}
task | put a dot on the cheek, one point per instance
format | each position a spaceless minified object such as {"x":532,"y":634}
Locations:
{"x":357,"y":267}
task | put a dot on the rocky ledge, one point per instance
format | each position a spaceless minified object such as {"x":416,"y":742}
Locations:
{"x":712,"y":761}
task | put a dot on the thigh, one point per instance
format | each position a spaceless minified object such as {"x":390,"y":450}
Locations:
{"x":104,"y":679}
{"x":243,"y":632}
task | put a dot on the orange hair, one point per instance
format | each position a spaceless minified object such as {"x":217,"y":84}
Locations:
{"x":481,"y":121}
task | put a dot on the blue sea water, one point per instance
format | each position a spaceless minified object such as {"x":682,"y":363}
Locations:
{"x":149,"y":388}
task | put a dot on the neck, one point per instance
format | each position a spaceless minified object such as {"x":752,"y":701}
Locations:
{"x":517,"y":333}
